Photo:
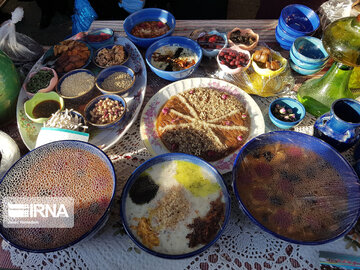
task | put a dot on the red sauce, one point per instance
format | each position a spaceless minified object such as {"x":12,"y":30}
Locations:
{"x":150,"y":29}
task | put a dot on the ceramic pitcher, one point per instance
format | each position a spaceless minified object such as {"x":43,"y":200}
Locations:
{"x":341,"y":126}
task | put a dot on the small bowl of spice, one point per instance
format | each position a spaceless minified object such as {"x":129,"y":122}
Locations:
{"x":175,"y":206}
{"x":110,"y":55}
{"x":267,"y":62}
{"x":75,"y":84}
{"x":41,"y":81}
{"x":105,"y":111}
{"x":286,"y":112}
{"x":245,"y":39}
{"x":115,"y":80}
{"x":233,"y":60}
{"x":100,"y":37}
{"x":42,"y":105}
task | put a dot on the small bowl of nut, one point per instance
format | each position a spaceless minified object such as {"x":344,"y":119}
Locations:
{"x":110,"y":55}
{"x":233,"y":60}
{"x":115,"y":80}
{"x":268,"y":63}
{"x":105,"y":111}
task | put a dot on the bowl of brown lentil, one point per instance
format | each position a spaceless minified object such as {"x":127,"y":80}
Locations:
{"x":105,"y":111}
{"x":75,"y":84}
{"x":110,"y":55}
{"x":116,"y":79}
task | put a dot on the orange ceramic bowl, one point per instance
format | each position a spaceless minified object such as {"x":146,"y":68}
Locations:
{"x":243,"y":32}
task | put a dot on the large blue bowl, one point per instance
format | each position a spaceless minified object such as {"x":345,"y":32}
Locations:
{"x":310,"y":50}
{"x":299,"y":20}
{"x":148,"y":14}
{"x":325,"y":151}
{"x":41,"y":152}
{"x":170,"y":157}
{"x":174,"y":41}
{"x":281,"y":33}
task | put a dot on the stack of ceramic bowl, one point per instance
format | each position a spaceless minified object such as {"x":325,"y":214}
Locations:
{"x":308,"y":55}
{"x":295,"y":21}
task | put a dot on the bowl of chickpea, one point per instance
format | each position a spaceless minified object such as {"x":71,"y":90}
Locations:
{"x":105,"y":111}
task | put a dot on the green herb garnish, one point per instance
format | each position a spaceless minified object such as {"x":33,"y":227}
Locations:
{"x":39,"y":81}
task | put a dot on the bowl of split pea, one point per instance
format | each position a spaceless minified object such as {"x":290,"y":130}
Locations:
{"x":116,"y":79}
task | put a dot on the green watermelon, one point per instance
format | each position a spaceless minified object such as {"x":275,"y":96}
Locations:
{"x":9,"y":88}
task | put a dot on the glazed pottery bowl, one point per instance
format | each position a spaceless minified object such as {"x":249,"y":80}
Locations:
{"x":110,"y":49}
{"x":279,"y":108}
{"x":92,"y":105}
{"x":174,"y":170}
{"x":31,"y":105}
{"x":310,"y":51}
{"x":244,"y":33}
{"x":148,"y":14}
{"x":112,"y":73}
{"x":178,"y":41}
{"x":100,"y":37}
{"x":211,"y":48}
{"x":52,"y":82}
{"x":77,"y":96}
{"x":236,"y":51}
{"x":83,"y":184}
{"x":298,"y":20}
{"x":283,"y":179}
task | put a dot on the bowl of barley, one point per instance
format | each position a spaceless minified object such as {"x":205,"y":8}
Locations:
{"x":116,"y":79}
{"x":76,"y":84}
{"x":105,"y":111}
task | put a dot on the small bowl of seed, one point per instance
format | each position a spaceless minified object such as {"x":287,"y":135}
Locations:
{"x":286,"y":112}
{"x":116,"y":79}
{"x":110,"y":55}
{"x":105,"y":111}
{"x":43,"y":80}
{"x":76,"y":84}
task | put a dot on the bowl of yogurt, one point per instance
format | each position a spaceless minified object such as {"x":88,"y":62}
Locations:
{"x":175,"y":206}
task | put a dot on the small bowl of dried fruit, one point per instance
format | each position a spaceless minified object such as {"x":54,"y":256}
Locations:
{"x":212,"y":42}
{"x":286,"y":112}
{"x":245,"y":39}
{"x":105,"y":111}
{"x":267,"y":62}
{"x":233,"y":60}
{"x":110,"y":55}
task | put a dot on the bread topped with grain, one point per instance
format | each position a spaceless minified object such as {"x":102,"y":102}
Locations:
{"x":205,"y":122}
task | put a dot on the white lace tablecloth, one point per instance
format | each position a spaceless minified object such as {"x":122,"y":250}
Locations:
{"x":243,"y":245}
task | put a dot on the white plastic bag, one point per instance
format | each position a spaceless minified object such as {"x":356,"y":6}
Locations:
{"x":19,"y":47}
{"x":333,"y":10}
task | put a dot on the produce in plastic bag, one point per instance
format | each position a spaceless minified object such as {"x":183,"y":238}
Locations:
{"x":19,"y":47}
{"x":261,"y":80}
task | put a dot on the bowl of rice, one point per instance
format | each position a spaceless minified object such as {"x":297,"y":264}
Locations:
{"x":175,"y":206}
{"x":76,"y":84}
{"x":116,"y":79}
{"x":174,"y":58}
